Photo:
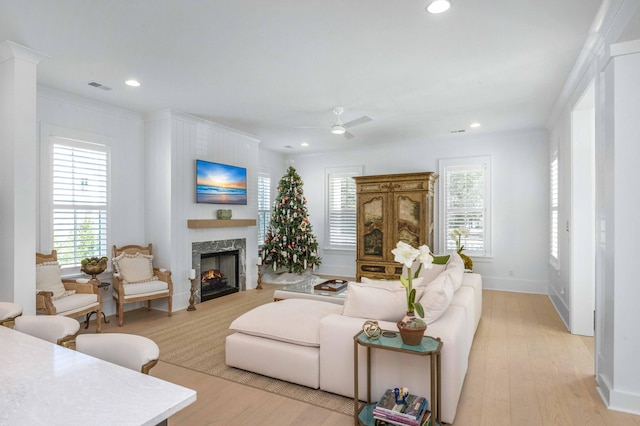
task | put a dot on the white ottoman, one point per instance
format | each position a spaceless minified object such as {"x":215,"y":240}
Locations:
{"x":280,"y":340}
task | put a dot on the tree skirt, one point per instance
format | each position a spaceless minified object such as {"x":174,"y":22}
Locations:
{"x":283,"y":277}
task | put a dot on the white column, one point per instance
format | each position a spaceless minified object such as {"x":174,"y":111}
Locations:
{"x":618,"y":204}
{"x":18,"y":72}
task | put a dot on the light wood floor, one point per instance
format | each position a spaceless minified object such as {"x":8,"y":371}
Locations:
{"x":524,"y":369}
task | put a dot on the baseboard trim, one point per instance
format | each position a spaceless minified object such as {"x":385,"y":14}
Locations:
{"x":615,"y":400}
{"x":515,"y":285}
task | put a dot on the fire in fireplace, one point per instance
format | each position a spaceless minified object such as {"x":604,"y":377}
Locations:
{"x":219,"y":274}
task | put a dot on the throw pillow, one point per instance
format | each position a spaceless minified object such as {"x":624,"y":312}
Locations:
{"x":48,"y":279}
{"x":437,"y":297}
{"x":429,"y":274}
{"x":378,"y":301}
{"x":456,"y":270}
{"x":134,"y":268}
{"x":392,"y":284}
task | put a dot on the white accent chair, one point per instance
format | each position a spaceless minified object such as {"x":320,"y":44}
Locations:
{"x":9,"y":312}
{"x":68,"y":298}
{"x":127,"y":350}
{"x":136,"y":279}
{"x":52,"y":328}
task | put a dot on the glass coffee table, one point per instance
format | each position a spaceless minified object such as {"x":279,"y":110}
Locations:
{"x":307,"y":290}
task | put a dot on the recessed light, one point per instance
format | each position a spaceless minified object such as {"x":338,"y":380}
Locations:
{"x":474,"y":125}
{"x":132,"y":83}
{"x":304,"y":144}
{"x":438,"y":6}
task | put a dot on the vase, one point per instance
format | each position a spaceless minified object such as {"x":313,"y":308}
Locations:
{"x":468,"y":263}
{"x":410,"y":333}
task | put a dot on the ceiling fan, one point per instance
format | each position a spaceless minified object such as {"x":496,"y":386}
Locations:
{"x":340,"y":127}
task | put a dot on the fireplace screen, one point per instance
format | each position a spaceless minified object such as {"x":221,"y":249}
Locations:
{"x":218,"y":274}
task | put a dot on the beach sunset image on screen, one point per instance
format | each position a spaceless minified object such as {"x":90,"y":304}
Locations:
{"x":220,"y":183}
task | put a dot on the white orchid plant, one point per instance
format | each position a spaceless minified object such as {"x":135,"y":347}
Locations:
{"x":406,"y":254}
{"x":456,"y":235}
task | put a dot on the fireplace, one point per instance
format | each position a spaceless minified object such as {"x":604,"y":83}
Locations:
{"x":220,"y":268}
{"x":218,"y":274}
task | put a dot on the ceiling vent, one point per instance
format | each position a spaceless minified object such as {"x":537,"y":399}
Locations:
{"x":99,"y":86}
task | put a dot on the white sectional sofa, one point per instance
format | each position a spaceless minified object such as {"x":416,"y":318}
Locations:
{"x":310,"y":342}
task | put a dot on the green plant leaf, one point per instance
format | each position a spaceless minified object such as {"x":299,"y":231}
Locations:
{"x":404,"y":281}
{"x":419,"y":309}
{"x":417,"y":271}
{"x":412,"y":296}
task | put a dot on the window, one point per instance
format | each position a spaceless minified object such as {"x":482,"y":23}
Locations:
{"x":79,"y":199}
{"x":264,"y":205}
{"x":465,"y":188}
{"x":340,"y":226}
{"x":553,"y":178}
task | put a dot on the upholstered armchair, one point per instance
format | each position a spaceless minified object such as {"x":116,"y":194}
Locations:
{"x":55,"y":296}
{"x":127,"y":350}
{"x":9,"y":311}
{"x":135,"y":279}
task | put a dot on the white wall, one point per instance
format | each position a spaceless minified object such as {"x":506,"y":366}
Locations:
{"x":125,"y":131}
{"x":153,"y":178}
{"x":519,"y":189}
{"x":275,"y":165}
{"x":18,"y":173}
{"x":174,"y":142}
{"x":618,"y":372}
{"x":615,"y":69}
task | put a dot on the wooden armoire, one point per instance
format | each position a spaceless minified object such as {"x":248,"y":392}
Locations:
{"x":392,"y":208}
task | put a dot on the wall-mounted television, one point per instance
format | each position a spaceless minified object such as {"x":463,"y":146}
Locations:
{"x":220,"y":183}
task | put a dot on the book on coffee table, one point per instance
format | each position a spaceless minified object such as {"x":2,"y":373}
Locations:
{"x":331,"y":285}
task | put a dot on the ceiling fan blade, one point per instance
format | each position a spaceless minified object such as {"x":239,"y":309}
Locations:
{"x":356,"y":122}
{"x":348,"y":135}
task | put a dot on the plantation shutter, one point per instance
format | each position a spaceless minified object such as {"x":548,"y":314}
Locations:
{"x":80,"y":196}
{"x":342,"y":210}
{"x":466,"y":188}
{"x":554,"y":209}
{"x":264,"y":206}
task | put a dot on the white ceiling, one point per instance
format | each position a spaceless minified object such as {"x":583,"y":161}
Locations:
{"x":267,"y":68}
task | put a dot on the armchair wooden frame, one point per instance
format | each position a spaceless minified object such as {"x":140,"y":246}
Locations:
{"x":9,"y":320}
{"x":44,"y":302}
{"x":118,"y":283}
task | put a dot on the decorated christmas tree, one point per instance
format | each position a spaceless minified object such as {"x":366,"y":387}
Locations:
{"x":290,"y":244}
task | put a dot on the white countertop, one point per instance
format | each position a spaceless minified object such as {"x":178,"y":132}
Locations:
{"x":45,"y":384}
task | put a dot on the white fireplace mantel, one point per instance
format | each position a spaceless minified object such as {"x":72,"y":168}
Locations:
{"x":220,"y":223}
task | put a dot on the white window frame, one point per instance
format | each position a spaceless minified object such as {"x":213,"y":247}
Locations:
{"x":264,"y":206}
{"x":49,"y":136}
{"x":554,"y":210}
{"x":466,"y":163}
{"x":345,"y":172}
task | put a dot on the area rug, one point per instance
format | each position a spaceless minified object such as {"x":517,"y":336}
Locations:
{"x":198,"y":343}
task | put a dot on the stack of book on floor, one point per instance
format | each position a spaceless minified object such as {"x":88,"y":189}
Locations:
{"x":413,"y":413}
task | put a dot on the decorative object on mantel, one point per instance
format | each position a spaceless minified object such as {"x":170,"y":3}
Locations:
{"x":411,"y":328}
{"x":94,"y":266}
{"x":192,"y":278}
{"x":289,"y":244}
{"x":457,"y":234}
{"x":223,"y":214}
{"x":372,"y":329}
